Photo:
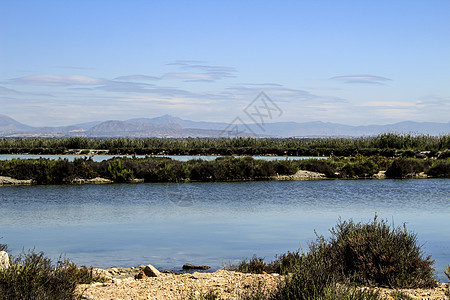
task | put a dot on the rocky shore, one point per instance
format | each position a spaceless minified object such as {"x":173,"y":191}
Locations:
{"x":125,"y":283}
{"x":223,"y":284}
{"x":4,"y":180}
{"x":299,"y":175}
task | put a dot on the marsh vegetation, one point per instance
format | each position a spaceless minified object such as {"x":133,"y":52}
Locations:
{"x":388,"y":144}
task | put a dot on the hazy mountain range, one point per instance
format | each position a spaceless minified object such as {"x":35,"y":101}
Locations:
{"x":173,"y":127}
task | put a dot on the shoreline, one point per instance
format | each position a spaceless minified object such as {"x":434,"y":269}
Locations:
{"x":301,"y":175}
{"x":224,"y":284}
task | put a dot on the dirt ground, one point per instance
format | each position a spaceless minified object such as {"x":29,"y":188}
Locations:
{"x":224,"y":284}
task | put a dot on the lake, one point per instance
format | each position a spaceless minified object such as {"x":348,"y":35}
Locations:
{"x":213,"y":224}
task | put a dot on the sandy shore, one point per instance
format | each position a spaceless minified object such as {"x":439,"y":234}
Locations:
{"x":224,"y":284}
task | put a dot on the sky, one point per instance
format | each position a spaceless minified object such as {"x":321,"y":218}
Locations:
{"x":349,"y":62}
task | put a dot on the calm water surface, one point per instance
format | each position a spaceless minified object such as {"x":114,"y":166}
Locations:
{"x":168,"y":225}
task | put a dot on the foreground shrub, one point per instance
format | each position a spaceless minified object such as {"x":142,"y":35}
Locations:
{"x":447,"y":272}
{"x":33,"y":276}
{"x":379,"y":254}
{"x":374,"y":254}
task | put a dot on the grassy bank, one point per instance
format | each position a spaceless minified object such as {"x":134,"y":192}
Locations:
{"x":156,"y":169}
{"x":387,"y":145}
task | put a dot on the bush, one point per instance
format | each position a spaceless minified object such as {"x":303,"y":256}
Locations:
{"x":256,"y":265}
{"x":440,"y":169}
{"x":447,"y":272}
{"x":404,"y":167}
{"x":379,"y":254}
{"x":318,"y":165}
{"x":118,"y":172}
{"x":33,"y":276}
{"x":374,"y":254}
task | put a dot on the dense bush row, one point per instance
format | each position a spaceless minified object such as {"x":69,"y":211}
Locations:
{"x":372,"y":254}
{"x":385,"y":144}
{"x":156,"y":169}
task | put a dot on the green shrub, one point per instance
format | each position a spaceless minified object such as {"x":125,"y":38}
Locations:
{"x":118,"y":172}
{"x":379,"y":254}
{"x":374,"y":254}
{"x":440,"y":169}
{"x":447,"y":272}
{"x":33,"y":276}
{"x":404,"y":167}
{"x":256,"y":265}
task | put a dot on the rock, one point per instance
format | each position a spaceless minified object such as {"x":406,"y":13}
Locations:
{"x":192,"y":267}
{"x":89,"y":297}
{"x":5,"y":180}
{"x":302,"y":175}
{"x":116,"y":280}
{"x":151,"y":271}
{"x":421,"y":175}
{"x":380,"y":175}
{"x":4,"y":260}
{"x":96,"y":180}
{"x":101,"y":274}
{"x":141,"y":275}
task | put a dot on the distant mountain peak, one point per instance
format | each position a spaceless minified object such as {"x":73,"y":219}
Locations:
{"x":165,"y":119}
{"x":171,"y":126}
{"x":8,"y":124}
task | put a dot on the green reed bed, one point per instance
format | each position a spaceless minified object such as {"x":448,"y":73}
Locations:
{"x":388,"y":144}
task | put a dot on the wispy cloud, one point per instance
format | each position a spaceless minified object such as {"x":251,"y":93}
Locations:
{"x":391,"y":104}
{"x":361,"y":78}
{"x":262,"y":84}
{"x":284,"y":94}
{"x":185,"y":62}
{"x":73,"y":68}
{"x":12,"y":92}
{"x":137,"y":77}
{"x":206,"y":73}
{"x":56,"y":80}
{"x":190,"y":76}
{"x":433,"y":101}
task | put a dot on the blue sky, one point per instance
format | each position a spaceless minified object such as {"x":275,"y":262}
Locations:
{"x":351,"y":62}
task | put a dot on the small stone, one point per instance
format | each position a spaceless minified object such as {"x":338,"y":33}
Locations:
{"x":101,"y":274}
{"x":151,"y":271}
{"x":192,"y":267}
{"x":116,"y":280}
{"x":89,"y":297}
{"x":4,"y":260}
{"x":141,"y":275}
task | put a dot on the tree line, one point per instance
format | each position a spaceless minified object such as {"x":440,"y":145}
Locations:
{"x":387,"y":144}
{"x":161,"y":169}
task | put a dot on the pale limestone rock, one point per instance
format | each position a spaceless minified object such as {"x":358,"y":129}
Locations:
{"x":4,"y":260}
{"x":151,"y":271}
